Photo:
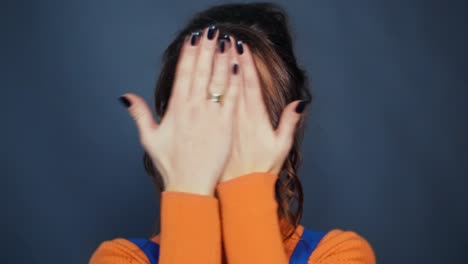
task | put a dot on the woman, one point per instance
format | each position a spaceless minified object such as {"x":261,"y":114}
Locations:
{"x":227,"y":167}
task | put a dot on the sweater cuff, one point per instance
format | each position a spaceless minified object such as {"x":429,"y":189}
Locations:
{"x":248,"y":191}
{"x":251,"y":229}
{"x":186,"y":218}
{"x":178,"y":207}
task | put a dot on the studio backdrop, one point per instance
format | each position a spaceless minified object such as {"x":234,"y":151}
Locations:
{"x":384,"y":154}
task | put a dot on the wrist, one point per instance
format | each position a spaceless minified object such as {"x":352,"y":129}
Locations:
{"x":191,"y":190}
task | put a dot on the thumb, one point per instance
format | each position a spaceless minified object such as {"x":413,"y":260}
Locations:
{"x":289,"y":118}
{"x":140,"y":112}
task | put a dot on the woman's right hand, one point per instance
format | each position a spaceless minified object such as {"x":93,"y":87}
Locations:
{"x":191,"y":145}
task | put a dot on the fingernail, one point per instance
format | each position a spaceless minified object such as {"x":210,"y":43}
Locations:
{"x":125,"y":102}
{"x":224,"y":36}
{"x":235,"y":68}
{"x":224,"y":42}
{"x":222,"y":45}
{"x":193,"y":40}
{"x":240,"y":48}
{"x":301,"y":106}
{"x":211,"y":31}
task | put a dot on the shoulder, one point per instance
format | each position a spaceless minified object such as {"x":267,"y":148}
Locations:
{"x":343,"y":246}
{"x":117,"y":250}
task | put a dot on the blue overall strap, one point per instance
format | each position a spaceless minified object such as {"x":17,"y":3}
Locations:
{"x":305,"y":246}
{"x":150,"y":248}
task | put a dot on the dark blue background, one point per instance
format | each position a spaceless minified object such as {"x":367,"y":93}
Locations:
{"x":385,"y":152}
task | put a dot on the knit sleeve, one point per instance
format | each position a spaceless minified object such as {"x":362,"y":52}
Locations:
{"x":340,"y":247}
{"x":251,"y":229}
{"x":252,"y":233}
{"x":190,"y":233}
{"x":118,"y":251}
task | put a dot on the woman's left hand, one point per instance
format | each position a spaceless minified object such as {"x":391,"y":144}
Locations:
{"x":257,"y":146}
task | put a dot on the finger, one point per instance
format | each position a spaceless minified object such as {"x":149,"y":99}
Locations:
{"x":204,"y":64}
{"x":289,"y":118}
{"x":233,"y":92}
{"x":251,"y":93}
{"x":220,"y":77}
{"x":184,"y":69}
{"x":141,"y":114}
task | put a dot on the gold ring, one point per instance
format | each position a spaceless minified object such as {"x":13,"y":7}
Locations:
{"x":215,"y":97}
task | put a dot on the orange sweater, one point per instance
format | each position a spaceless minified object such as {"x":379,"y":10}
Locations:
{"x":243,"y":218}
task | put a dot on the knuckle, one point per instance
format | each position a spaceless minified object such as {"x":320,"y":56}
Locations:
{"x":218,"y":82}
{"x":193,"y":108}
{"x":183,"y":70}
{"x":137,"y":115}
{"x":185,"y":111}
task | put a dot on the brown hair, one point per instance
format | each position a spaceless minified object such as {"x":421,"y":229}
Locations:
{"x":264,"y":27}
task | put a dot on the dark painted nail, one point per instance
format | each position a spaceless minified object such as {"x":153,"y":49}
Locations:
{"x":211,"y":31}
{"x":235,"y":68}
{"x":194,"y":38}
{"x":222,"y":45}
{"x":124,"y":101}
{"x":224,"y":36}
{"x":240,"y":48}
{"x":301,"y":106}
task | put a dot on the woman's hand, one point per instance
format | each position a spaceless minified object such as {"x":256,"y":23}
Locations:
{"x":191,"y":145}
{"x":257,"y":147}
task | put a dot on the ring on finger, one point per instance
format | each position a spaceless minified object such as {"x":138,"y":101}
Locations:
{"x":215,"y":97}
